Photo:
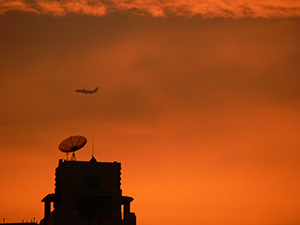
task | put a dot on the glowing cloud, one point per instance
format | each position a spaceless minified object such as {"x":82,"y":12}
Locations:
{"x":159,"y":8}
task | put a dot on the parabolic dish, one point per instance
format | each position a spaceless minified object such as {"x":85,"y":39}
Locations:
{"x":72,"y":144}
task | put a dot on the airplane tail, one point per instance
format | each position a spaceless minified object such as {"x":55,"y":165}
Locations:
{"x":96,"y":89}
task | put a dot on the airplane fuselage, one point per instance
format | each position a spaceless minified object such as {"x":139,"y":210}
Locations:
{"x":87,"y":91}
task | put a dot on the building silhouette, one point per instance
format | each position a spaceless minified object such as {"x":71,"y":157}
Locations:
{"x":87,"y":193}
{"x":27,"y":223}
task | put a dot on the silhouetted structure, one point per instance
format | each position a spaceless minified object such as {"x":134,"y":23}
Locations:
{"x":27,"y":223}
{"x":88,"y":193}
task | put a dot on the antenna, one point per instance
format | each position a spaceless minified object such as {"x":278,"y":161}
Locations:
{"x":72,"y":144}
{"x":93,"y":149}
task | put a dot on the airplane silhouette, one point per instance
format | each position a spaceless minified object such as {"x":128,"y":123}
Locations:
{"x":87,"y":91}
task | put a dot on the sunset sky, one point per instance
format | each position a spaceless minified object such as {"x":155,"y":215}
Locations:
{"x":198,"y":99}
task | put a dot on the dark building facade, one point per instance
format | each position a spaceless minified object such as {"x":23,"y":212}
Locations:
{"x":88,"y":193}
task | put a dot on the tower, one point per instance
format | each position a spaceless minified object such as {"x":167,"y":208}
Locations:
{"x":88,"y":193}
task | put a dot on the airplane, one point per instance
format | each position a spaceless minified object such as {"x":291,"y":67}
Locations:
{"x":87,"y":91}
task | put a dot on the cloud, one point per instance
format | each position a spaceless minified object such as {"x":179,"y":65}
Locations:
{"x":158,"y":8}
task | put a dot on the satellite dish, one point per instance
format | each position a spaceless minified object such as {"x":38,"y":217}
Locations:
{"x":72,"y":144}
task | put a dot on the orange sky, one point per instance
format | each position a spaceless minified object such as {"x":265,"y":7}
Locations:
{"x":202,"y":110}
